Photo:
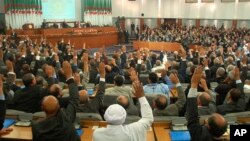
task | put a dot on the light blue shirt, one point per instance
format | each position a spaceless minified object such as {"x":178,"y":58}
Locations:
{"x":155,"y":88}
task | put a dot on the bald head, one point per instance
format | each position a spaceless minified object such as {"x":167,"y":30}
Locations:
{"x":83,"y":96}
{"x":123,"y":101}
{"x":217,"y":125}
{"x":204,"y":99}
{"x":50,"y":106}
{"x":160,"y":102}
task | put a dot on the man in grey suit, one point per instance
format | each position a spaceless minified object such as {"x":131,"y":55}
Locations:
{"x":58,"y":124}
{"x":160,"y":103}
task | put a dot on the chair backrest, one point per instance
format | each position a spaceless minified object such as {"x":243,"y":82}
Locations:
{"x":143,"y":78}
{"x":109,"y":100}
{"x":88,"y":116}
{"x":13,"y":114}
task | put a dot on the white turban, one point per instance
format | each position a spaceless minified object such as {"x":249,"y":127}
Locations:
{"x":115,"y":114}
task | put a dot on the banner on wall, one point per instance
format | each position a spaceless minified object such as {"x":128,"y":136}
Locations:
{"x":20,"y":12}
{"x":98,"y":12}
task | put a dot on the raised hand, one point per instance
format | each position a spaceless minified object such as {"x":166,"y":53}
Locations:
{"x":203,"y":84}
{"x":67,"y":70}
{"x":237,"y":73}
{"x":244,"y":60}
{"x":196,"y":77}
{"x":138,"y":89}
{"x":102,"y":70}
{"x":174,"y":78}
{"x":133,"y":75}
{"x":9,"y":66}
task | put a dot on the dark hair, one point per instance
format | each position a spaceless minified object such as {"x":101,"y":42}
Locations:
{"x":27,"y":79}
{"x":235,"y":94}
{"x":55,"y":91}
{"x":215,"y":129}
{"x":204,"y":101}
{"x":119,"y":80}
{"x":160,"y":103}
{"x":153,"y":77}
{"x":39,"y":80}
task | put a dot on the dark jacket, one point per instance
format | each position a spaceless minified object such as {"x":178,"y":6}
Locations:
{"x":232,"y":107}
{"x":2,"y":113}
{"x":197,"y":131}
{"x":29,"y":99}
{"x":60,"y":127}
{"x":93,"y":105}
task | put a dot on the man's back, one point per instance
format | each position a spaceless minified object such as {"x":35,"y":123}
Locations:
{"x":59,"y":127}
{"x":112,"y":132}
{"x":28,"y":99}
{"x":45,"y":130}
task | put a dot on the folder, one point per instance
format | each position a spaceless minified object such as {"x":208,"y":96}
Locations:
{"x":8,"y":122}
{"x":180,"y":136}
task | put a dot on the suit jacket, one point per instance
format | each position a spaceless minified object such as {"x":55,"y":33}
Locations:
{"x":93,"y":105}
{"x":2,"y":113}
{"x":233,"y":107}
{"x":29,"y":99}
{"x":60,"y":127}
{"x":197,"y":132}
{"x":173,"y":109}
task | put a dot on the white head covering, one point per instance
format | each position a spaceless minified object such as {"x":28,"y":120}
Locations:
{"x":115,"y":114}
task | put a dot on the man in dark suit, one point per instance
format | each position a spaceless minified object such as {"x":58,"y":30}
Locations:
{"x":216,"y":126}
{"x":2,"y":111}
{"x":93,"y":105}
{"x":28,"y":99}
{"x":132,"y":26}
{"x":58,"y":124}
{"x":123,"y":57}
{"x":235,"y":101}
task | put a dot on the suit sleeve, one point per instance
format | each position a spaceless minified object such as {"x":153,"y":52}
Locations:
{"x":99,"y":94}
{"x":181,"y":98}
{"x":241,"y":104}
{"x":74,"y":100}
{"x":2,"y":113}
{"x":193,"y":125}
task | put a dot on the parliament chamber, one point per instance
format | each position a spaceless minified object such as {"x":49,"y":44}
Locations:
{"x":124,"y":70}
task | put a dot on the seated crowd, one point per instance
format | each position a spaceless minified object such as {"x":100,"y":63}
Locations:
{"x":144,"y":83}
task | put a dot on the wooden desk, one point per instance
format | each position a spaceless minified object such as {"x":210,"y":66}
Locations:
{"x":162,"y":134}
{"x":93,"y":37}
{"x":150,"y":135}
{"x":25,"y":134}
{"x":157,"y":46}
{"x":162,"y":130}
{"x":19,"y":133}
{"x":87,"y":134}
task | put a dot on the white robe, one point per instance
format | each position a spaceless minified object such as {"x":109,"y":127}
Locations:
{"x":136,"y":131}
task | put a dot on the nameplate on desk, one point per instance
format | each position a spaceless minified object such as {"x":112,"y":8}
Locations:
{"x":92,"y":30}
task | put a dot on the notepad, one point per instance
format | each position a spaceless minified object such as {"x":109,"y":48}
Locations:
{"x":8,"y":122}
{"x":90,"y":91}
{"x":79,"y":132}
{"x":180,"y":136}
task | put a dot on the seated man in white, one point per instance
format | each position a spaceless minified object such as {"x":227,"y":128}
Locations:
{"x":115,"y":115}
